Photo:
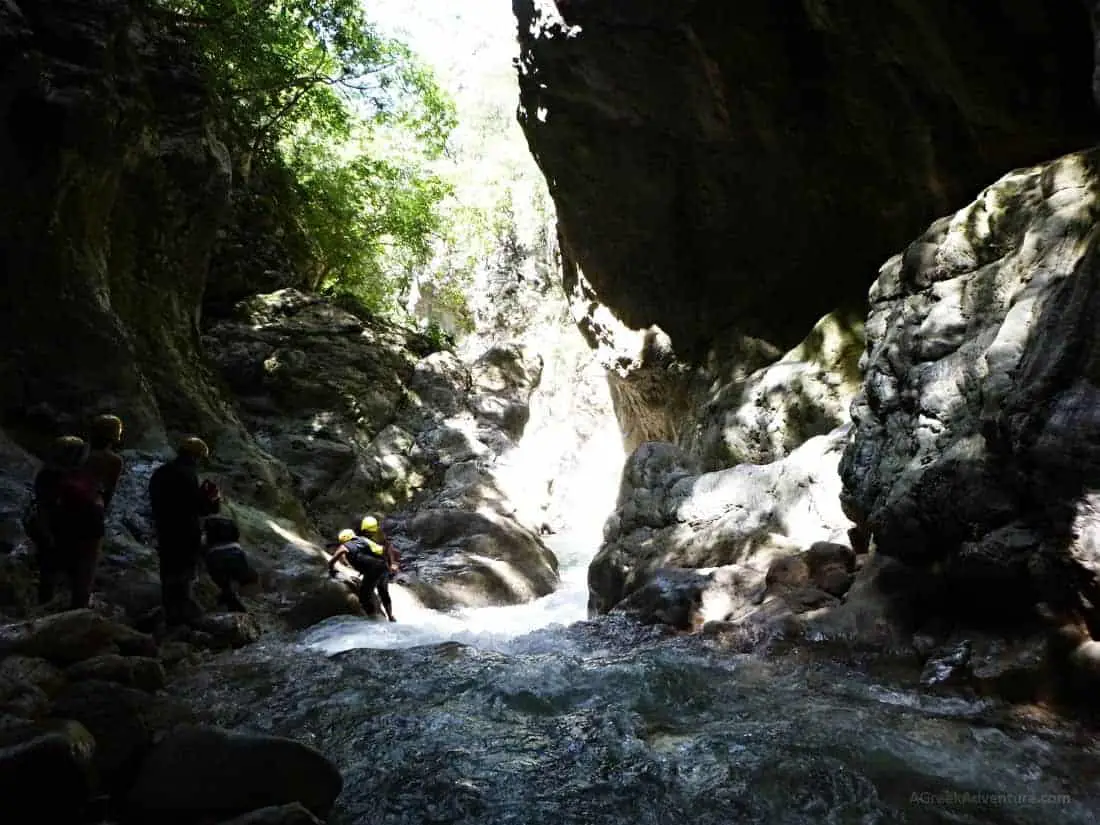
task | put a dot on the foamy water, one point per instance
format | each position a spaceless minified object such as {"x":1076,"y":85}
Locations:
{"x":488,"y":628}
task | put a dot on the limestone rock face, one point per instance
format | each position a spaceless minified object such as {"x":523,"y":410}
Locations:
{"x":718,"y":165}
{"x":116,"y":184}
{"x":973,"y":453}
{"x":745,"y":401}
{"x":729,"y":525}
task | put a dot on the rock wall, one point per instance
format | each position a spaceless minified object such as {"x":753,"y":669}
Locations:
{"x":115,"y":184}
{"x":973,"y":455}
{"x":744,"y":401}
{"x":749,"y":165}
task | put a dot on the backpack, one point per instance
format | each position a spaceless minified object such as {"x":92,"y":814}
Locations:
{"x":78,"y":509}
{"x":362,"y":551}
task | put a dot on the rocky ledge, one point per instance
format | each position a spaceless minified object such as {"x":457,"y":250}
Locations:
{"x":83,"y":707}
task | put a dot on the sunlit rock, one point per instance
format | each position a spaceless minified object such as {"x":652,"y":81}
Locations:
{"x":670,"y":515}
{"x":973,"y":453}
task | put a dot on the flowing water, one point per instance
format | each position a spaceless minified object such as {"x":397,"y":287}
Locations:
{"x":533,"y":714}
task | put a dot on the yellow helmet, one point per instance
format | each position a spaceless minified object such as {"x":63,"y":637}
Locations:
{"x":69,"y":451}
{"x":194,"y":447}
{"x":345,"y":536}
{"x":106,"y":428}
{"x":369,"y":524}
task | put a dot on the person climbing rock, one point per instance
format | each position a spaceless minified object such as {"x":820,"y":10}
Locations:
{"x":179,"y":504}
{"x":69,"y":522}
{"x":370,"y":528}
{"x":226,"y":562}
{"x":371,"y":559}
{"x":103,"y":461}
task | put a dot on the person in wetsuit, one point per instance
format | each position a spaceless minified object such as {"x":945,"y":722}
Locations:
{"x":179,"y":503}
{"x":68,"y":524}
{"x":371,"y":554}
{"x":103,"y":461}
{"x":226,"y":562}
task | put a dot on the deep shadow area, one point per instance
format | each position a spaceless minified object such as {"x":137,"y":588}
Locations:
{"x":751,"y":165}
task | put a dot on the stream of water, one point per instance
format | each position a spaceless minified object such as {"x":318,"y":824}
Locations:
{"x":534,"y":714}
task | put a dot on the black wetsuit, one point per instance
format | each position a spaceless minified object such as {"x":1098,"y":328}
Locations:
{"x":178,"y":508}
{"x":374,"y":569}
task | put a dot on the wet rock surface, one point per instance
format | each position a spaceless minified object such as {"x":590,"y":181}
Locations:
{"x":608,"y":721}
{"x":91,"y":721}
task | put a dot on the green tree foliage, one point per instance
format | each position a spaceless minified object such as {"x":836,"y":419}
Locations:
{"x":310,"y":85}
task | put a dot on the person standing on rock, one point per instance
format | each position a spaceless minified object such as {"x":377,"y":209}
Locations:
{"x":373,"y":556}
{"x":70,"y":522}
{"x":180,"y":502}
{"x":103,"y":460}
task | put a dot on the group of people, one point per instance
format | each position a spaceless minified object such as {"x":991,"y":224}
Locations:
{"x":67,"y":516}
{"x":66,"y":522}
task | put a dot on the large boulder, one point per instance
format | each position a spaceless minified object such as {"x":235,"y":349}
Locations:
{"x":973,"y":453}
{"x":730,"y":526}
{"x":203,"y":774}
{"x":124,"y":721}
{"x":46,"y":772}
{"x":476,"y":559}
{"x":73,"y":636}
{"x":719,"y":165}
{"x":314,"y":382}
{"x":139,"y":672}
